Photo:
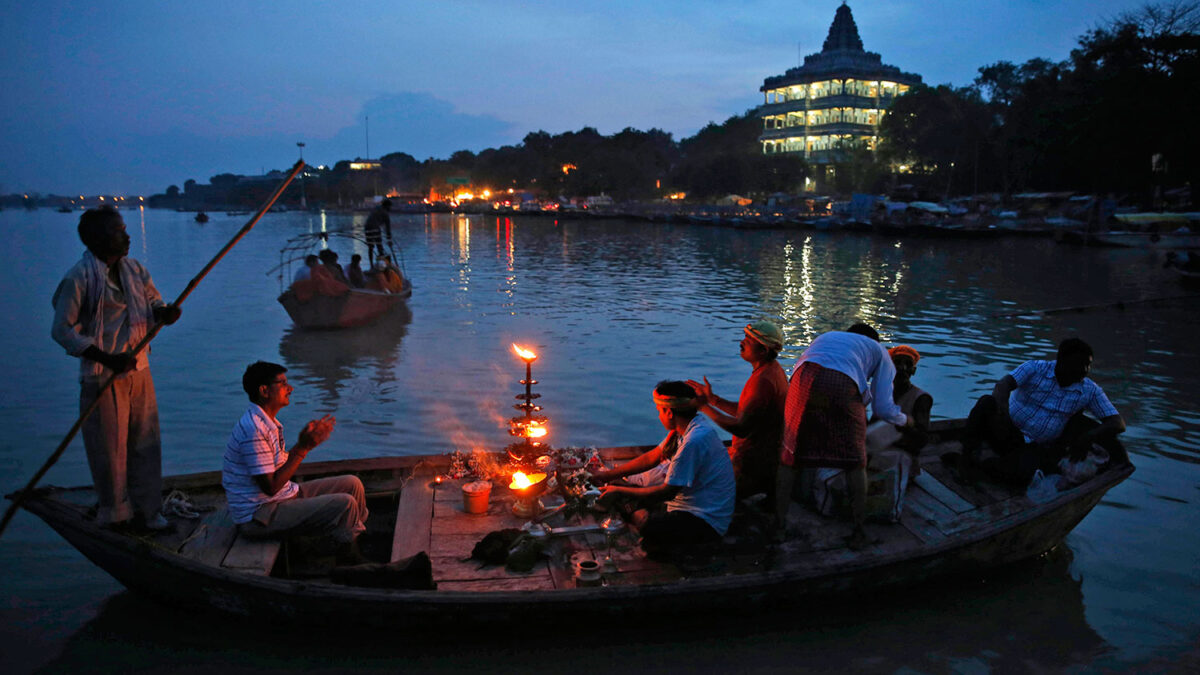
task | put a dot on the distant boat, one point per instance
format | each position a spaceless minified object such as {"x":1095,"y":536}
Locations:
{"x":349,"y":309}
{"x":201,"y":217}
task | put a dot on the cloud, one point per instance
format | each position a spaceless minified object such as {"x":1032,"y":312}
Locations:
{"x":419,"y":124}
{"x":63,"y":157}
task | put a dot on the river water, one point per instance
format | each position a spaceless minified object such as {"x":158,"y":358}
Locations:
{"x":612,"y":307}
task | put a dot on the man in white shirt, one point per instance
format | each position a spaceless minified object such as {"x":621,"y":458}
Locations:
{"x":825,"y":420}
{"x":104,"y":307}
{"x":257,"y":470}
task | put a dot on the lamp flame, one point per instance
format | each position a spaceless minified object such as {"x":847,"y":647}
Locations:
{"x":535,"y":432}
{"x":520,"y":481}
{"x":525,"y":354}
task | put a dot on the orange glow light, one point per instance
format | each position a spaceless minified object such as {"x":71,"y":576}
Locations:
{"x":525,"y":354}
{"x":536,"y":432}
{"x":520,"y":481}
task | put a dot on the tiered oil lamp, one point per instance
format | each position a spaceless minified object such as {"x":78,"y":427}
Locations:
{"x":527,"y":489}
{"x":527,"y":426}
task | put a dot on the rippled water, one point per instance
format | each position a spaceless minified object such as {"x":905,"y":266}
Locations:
{"x":612,"y":307}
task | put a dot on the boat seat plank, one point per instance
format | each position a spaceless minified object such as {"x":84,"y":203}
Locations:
{"x":211,"y":539}
{"x":252,"y":556}
{"x":976,"y":494}
{"x":414,"y":515}
{"x":943,"y":494}
{"x":923,"y":505}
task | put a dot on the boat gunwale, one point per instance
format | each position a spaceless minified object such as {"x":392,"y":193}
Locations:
{"x":745,"y":582}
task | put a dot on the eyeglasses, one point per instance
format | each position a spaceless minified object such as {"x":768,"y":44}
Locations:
{"x":282,"y":382}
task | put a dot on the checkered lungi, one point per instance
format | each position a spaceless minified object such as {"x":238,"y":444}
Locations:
{"x":825,"y":421}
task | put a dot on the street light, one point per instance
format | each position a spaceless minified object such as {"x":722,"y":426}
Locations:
{"x":302,"y":204}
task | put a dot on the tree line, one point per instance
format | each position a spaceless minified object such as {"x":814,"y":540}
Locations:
{"x":1113,"y":118}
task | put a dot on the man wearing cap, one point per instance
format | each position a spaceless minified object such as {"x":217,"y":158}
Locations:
{"x":825,"y":420}
{"x":699,"y":488}
{"x":756,"y":418}
{"x":913,"y":400}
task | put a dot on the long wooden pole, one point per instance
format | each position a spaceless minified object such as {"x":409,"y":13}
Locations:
{"x":1121,"y":304}
{"x":19,"y":497}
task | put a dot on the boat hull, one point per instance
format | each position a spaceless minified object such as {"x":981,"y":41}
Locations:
{"x":358,"y":307}
{"x":1000,"y":534}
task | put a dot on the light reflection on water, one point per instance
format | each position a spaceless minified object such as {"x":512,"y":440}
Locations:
{"x":612,"y":307}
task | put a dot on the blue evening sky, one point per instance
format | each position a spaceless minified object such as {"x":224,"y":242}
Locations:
{"x":129,"y":97}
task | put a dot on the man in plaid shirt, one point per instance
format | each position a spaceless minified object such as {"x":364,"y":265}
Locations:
{"x":1035,"y":416}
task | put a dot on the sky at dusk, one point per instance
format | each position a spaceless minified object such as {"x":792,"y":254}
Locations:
{"x":130,"y":97}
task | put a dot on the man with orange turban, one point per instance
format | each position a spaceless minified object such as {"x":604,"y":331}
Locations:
{"x":755,"y":418}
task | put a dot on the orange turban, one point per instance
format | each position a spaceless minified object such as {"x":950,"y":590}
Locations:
{"x":905,"y":350}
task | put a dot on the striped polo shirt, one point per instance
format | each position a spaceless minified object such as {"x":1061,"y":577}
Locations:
{"x":255,"y":447}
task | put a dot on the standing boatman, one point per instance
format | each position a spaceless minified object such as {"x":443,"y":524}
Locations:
{"x":378,"y":222}
{"x":103,"y":307}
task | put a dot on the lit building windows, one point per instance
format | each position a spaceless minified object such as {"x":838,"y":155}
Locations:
{"x":838,"y":96}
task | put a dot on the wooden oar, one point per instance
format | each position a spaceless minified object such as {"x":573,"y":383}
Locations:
{"x":19,"y":497}
{"x":1121,"y":304}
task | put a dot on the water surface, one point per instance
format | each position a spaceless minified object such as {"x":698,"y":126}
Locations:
{"x":612,"y":307}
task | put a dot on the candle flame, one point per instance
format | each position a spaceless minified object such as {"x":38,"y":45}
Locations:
{"x":525,"y":354}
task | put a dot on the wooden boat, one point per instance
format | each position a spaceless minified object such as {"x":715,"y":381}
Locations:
{"x":358,"y":307}
{"x":946,"y":528}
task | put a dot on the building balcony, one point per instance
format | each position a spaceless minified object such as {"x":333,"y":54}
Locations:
{"x":831,"y":129}
{"x":824,"y":102}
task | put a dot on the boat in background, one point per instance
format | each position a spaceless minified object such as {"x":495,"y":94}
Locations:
{"x":315,"y":306}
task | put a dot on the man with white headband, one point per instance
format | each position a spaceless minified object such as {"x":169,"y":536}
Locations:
{"x":755,"y":418}
{"x":699,"y":487}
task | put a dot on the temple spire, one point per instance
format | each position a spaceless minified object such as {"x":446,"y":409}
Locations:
{"x":843,"y":34}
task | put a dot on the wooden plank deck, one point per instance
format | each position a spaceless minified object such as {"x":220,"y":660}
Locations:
{"x":413,"y":515}
{"x":216,"y":541}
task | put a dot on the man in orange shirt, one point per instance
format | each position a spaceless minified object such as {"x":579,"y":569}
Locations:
{"x":756,"y":418}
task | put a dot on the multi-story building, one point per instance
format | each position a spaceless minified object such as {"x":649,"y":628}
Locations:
{"x":836,"y":98}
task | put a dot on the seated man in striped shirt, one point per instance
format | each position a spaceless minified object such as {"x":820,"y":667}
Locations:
{"x":1034,"y":417}
{"x":257,"y":471}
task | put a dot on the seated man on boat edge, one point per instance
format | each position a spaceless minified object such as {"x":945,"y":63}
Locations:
{"x":756,"y":418}
{"x":257,"y":469}
{"x":1035,"y":416}
{"x":699,"y":488}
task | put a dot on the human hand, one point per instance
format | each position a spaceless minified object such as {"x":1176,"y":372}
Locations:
{"x":609,"y":491}
{"x":704,"y":392}
{"x":317,"y":432}
{"x":167,"y":314}
{"x":120,"y":363}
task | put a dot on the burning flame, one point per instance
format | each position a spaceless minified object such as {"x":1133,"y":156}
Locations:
{"x":525,"y":354}
{"x":535,"y":432}
{"x":520,"y":481}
